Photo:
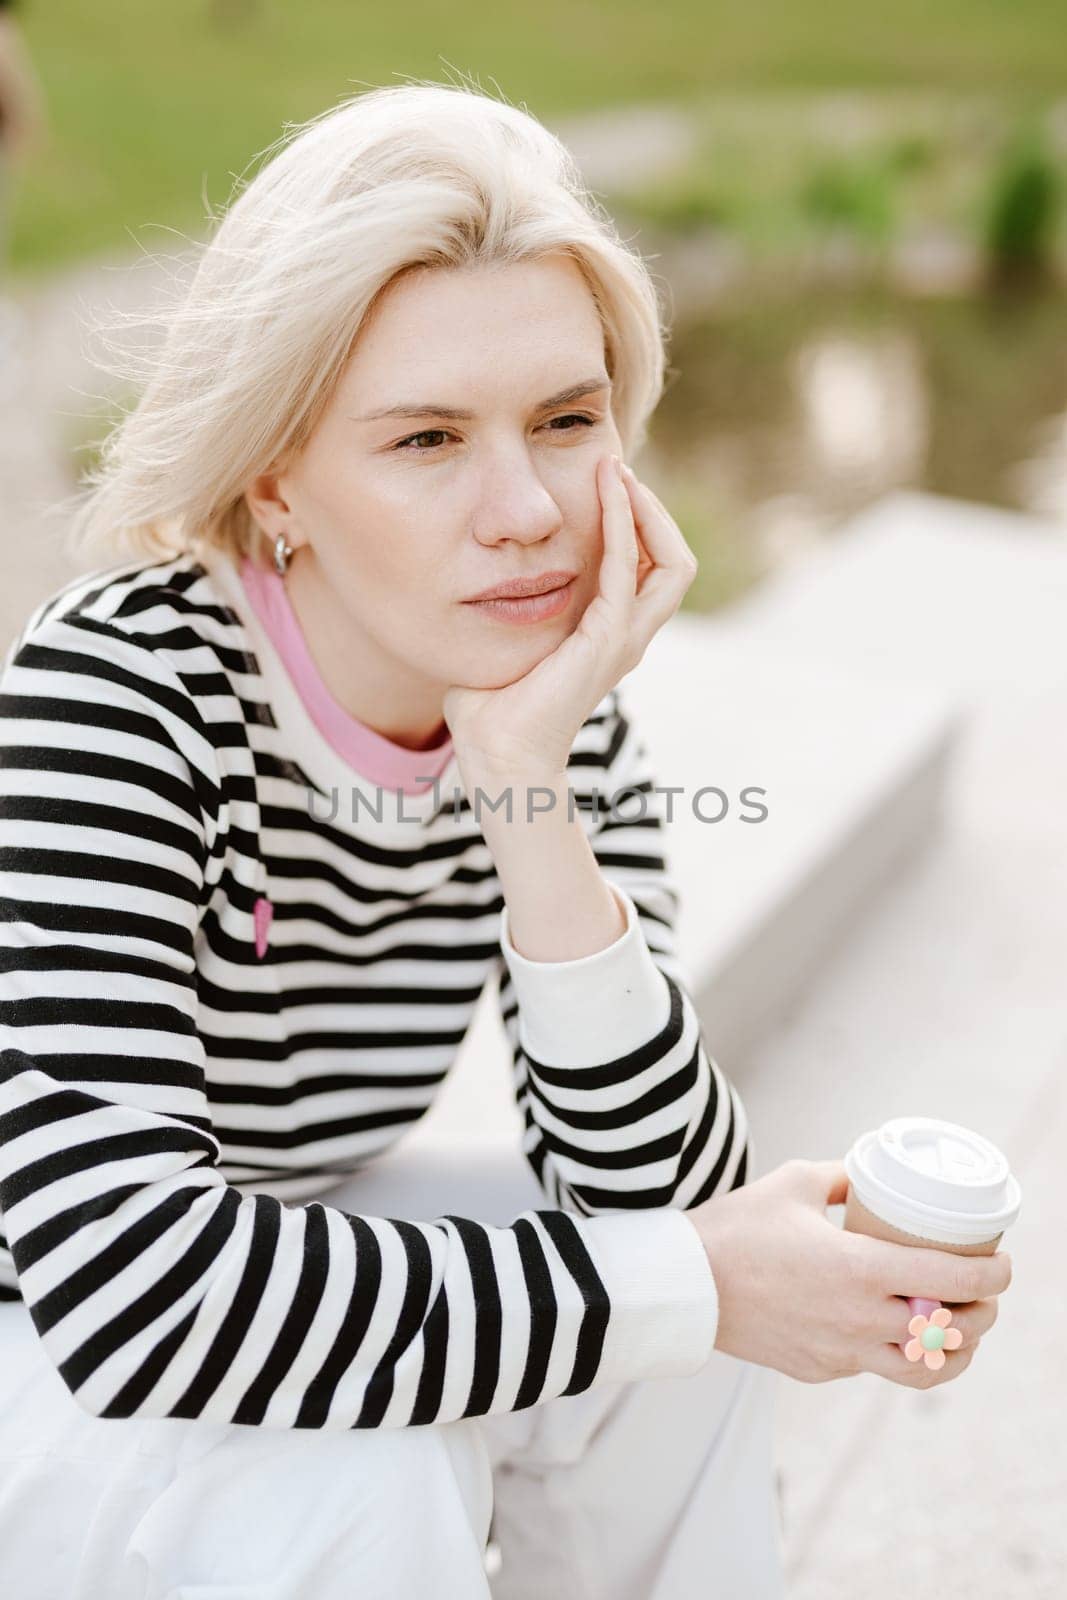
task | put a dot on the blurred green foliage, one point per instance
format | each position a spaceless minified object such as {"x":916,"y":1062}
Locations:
{"x":1021,"y":220}
{"x":856,"y":194}
{"x":155,"y":108}
{"x":779,"y":172}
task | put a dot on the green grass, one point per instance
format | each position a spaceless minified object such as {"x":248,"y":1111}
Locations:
{"x":155,"y":109}
{"x":780,"y":171}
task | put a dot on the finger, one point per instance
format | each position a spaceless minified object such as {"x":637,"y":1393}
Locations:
{"x":889,"y":1361}
{"x":657,"y":527}
{"x":673,"y":565}
{"x":618,"y":569}
{"x":645,"y":563}
{"x":829,"y":1180}
{"x":933,"y":1274}
{"x":659,"y":591}
{"x":973,"y":1320}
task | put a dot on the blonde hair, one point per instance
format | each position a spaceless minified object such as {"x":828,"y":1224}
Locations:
{"x":408,"y":175}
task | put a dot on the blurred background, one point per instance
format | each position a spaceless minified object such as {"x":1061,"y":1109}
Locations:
{"x":858,"y":222}
{"x":860,"y":225}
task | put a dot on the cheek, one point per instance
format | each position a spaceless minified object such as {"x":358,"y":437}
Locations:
{"x":374,"y":546}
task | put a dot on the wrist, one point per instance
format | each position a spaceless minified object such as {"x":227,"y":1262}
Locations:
{"x":721,"y":1225}
{"x":497,"y":778}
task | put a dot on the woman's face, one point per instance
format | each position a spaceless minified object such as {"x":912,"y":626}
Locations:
{"x":450,"y":459}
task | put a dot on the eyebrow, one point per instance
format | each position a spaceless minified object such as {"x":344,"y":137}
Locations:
{"x":574,"y":391}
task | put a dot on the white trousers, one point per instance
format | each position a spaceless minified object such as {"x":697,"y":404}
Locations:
{"x":662,"y":1489}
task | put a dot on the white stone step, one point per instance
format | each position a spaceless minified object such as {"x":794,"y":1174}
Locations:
{"x":945,"y":593}
{"x":852,"y":767}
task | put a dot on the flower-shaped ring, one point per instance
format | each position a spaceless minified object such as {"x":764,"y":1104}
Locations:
{"x":931,"y":1337}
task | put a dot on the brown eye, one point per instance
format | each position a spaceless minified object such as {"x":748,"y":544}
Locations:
{"x":573,"y":416}
{"x":427,"y":433}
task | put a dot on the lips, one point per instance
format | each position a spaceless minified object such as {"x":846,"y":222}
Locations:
{"x":521,"y":588}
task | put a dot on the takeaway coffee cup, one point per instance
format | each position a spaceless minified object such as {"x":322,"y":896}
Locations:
{"x":921,"y":1181}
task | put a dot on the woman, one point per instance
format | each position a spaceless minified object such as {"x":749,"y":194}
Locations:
{"x":281,"y":794}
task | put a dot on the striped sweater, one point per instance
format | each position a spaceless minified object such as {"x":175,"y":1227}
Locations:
{"x":233,"y":971}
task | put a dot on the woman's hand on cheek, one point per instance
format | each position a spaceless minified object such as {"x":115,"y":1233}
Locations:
{"x":527,"y":728}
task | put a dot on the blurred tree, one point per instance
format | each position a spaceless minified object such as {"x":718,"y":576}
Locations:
{"x":1020,"y":221}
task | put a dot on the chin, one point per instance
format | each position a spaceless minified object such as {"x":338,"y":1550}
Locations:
{"x":506,"y":666}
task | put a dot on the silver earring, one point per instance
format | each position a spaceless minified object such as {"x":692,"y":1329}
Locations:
{"x":282,"y":552}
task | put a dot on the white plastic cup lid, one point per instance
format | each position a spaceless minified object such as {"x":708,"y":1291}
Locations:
{"x":935,"y":1179}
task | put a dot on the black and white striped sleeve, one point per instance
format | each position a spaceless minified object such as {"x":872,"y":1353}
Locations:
{"x":159,"y":1289}
{"x":624,"y":1107}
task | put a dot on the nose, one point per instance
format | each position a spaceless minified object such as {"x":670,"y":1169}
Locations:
{"x":514,"y":503}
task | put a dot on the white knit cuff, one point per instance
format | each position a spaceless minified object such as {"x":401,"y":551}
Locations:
{"x":591,"y":1010}
{"x":664,"y":1300}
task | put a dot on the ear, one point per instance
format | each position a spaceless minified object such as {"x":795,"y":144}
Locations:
{"x":266,"y":500}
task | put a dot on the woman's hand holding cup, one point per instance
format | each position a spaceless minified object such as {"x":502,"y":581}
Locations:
{"x":801,"y":1295}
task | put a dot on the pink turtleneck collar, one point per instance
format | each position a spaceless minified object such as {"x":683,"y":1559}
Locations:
{"x":393,"y":766}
